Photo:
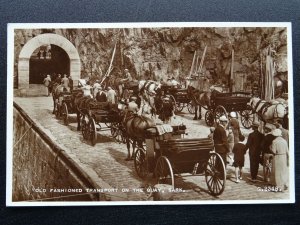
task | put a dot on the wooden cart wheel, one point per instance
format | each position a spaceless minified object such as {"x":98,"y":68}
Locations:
{"x":215,"y":174}
{"x":191,"y":108}
{"x":84,"y":128}
{"x":114,"y":130}
{"x":179,"y":106}
{"x":140,"y":163}
{"x":92,"y":131}
{"x":219,"y":111}
{"x":247,"y":118}
{"x":163,"y":171}
{"x":119,"y":134}
{"x":209,"y":118}
{"x":65,"y":113}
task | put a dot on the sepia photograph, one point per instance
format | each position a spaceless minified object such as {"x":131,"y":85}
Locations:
{"x":149,"y":113}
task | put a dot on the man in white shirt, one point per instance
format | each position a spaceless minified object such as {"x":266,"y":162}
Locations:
{"x":111,"y":95}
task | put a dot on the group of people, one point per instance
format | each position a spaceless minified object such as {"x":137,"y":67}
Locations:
{"x":267,"y":147}
{"x":97,"y":92}
{"x":65,"y":81}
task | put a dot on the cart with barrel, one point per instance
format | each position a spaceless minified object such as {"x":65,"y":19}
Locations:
{"x":224,"y":103}
{"x":168,"y":154}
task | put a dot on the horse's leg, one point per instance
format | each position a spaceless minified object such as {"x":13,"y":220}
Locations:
{"x":200,"y":115}
{"x":54,"y":105}
{"x":78,"y":120}
{"x":134,"y":143}
{"x":128,"y":149}
{"x":196,"y":111}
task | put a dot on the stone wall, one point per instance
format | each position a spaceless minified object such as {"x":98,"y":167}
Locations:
{"x":41,"y":169}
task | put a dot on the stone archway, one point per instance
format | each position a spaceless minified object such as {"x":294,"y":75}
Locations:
{"x":46,"y":39}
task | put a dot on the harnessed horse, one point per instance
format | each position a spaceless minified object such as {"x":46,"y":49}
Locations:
{"x":268,"y":111}
{"x":57,"y":89}
{"x":135,"y":126}
{"x":199,"y":99}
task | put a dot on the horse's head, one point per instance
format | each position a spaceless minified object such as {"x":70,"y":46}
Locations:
{"x":281,"y":110}
{"x":207,"y":97}
{"x":190,"y":91}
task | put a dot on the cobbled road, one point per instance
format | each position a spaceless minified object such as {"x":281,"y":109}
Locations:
{"x":105,"y":162}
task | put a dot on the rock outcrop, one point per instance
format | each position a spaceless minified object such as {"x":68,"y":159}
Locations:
{"x":157,"y":52}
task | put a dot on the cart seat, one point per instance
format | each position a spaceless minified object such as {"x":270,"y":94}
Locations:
{"x":183,"y":145}
{"x":164,"y":131}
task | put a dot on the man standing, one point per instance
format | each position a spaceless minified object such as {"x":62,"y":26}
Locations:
{"x":128,"y":77}
{"x":96,"y":88}
{"x":266,"y":152}
{"x":47,"y":82}
{"x":65,"y":82}
{"x":111,"y":95}
{"x":253,"y":143}
{"x":220,"y":139}
{"x":58,"y":79}
{"x":70,"y":83}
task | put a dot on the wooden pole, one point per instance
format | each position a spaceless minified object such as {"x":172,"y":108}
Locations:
{"x":202,"y":60}
{"x":110,"y":64}
{"x":192,"y":67}
{"x":231,"y":72}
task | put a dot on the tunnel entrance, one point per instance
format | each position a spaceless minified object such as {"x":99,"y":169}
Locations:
{"x":48,"y":59}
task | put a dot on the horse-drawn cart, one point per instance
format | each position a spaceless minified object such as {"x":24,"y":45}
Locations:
{"x":224,"y":103}
{"x":65,"y":105}
{"x":179,"y":97}
{"x":95,"y":114}
{"x":166,"y":155}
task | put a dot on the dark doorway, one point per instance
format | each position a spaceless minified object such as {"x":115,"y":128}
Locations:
{"x":48,"y":59}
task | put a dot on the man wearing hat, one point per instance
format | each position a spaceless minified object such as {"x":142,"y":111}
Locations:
{"x":47,"y":82}
{"x":111,"y":95}
{"x":253,"y":144}
{"x":132,"y":105}
{"x":220,"y":138}
{"x":265,"y":148}
{"x":96,"y":88}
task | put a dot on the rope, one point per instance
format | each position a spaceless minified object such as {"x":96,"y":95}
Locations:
{"x":22,"y":136}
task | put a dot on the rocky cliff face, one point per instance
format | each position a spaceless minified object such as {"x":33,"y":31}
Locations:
{"x":157,"y":52}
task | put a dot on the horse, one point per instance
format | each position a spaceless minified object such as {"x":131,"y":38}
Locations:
{"x":135,"y":126}
{"x":57,"y":89}
{"x":268,"y":111}
{"x":199,"y":99}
